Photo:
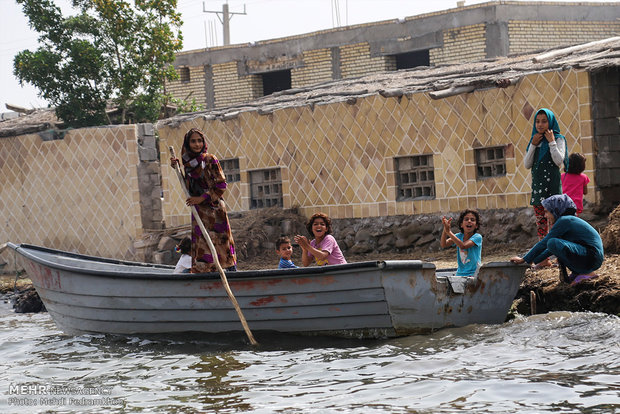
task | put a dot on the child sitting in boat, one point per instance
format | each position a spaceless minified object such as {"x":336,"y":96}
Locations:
{"x":185,"y":261}
{"x":324,"y":247}
{"x":284,"y":248}
{"x":468,"y":242}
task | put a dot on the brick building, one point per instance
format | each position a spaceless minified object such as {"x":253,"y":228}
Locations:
{"x":418,"y":141}
{"x":224,"y":76}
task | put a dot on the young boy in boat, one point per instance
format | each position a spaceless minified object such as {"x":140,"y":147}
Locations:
{"x":284,"y":248}
{"x":468,"y":242}
{"x":324,"y":248}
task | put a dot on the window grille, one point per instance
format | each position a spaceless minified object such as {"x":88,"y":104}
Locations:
{"x":265,"y":188}
{"x":490,"y":162}
{"x":231,"y":169}
{"x":415,"y":177}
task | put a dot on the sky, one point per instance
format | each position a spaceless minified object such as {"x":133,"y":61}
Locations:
{"x":263,"y":19}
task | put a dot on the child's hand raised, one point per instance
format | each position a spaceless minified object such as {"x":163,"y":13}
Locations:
{"x":537,"y":138}
{"x":447,"y":222}
{"x":549,"y":135}
{"x":302,"y":241}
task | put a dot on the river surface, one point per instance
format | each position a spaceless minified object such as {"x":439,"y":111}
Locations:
{"x":558,"y":362}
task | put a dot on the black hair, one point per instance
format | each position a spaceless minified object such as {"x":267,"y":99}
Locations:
{"x":576,"y":163}
{"x":327,"y":220}
{"x":185,"y":245}
{"x":189,"y":134}
{"x":462,"y":217}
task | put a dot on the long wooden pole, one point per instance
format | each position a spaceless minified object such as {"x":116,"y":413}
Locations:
{"x":232,"y":298}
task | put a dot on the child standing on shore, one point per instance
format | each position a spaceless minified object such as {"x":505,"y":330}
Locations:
{"x":285,"y":249}
{"x":545,"y":154}
{"x":324,"y":247}
{"x":468,"y":242}
{"x":574,"y":181}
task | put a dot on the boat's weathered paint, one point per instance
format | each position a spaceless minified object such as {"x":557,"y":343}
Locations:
{"x":370,"y":299}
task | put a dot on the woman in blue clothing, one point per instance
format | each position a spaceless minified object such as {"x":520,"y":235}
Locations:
{"x":575,"y":243}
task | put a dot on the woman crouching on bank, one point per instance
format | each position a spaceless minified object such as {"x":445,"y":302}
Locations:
{"x":576,"y":244}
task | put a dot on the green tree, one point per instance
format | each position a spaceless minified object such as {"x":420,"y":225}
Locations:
{"x":109,"y":51}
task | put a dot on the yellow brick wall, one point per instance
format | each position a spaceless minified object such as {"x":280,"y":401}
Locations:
{"x":317,"y":68}
{"x":463,"y":44}
{"x":355,"y":61}
{"x":78,"y":194}
{"x":231,"y":89}
{"x":536,"y":35}
{"x":338,"y":158}
{"x":195,"y":88}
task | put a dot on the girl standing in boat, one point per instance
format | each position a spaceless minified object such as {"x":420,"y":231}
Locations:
{"x":546,"y":152}
{"x":324,"y":248}
{"x":206,"y":183}
{"x":468,"y":242}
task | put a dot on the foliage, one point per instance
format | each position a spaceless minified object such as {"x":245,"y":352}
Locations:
{"x":184,"y":106}
{"x":110,"y":51}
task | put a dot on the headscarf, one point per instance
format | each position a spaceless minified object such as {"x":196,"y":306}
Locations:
{"x":560,"y":205}
{"x":544,"y":144}
{"x":194,"y":163}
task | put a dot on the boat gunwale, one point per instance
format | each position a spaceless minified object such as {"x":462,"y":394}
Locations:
{"x":29,"y":251}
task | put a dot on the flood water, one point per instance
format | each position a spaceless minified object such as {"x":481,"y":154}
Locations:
{"x":559,"y":362}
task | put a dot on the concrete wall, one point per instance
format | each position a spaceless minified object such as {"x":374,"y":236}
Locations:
{"x":339,"y":158}
{"x":230,"y":75}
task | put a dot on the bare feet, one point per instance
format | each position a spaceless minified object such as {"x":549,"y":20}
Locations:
{"x":544,"y":263}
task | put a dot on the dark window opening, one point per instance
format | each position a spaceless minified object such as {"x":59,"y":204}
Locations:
{"x":184,"y":74}
{"x":276,"y":81}
{"x":412,"y":59}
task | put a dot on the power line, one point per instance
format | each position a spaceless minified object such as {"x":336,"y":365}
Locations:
{"x":224,"y":19}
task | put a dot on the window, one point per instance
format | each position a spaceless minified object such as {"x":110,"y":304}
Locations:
{"x":276,"y":81}
{"x":231,"y":170}
{"x":490,"y":162}
{"x":412,"y":59}
{"x":415,"y":177}
{"x":184,"y":74}
{"x":265,"y":188}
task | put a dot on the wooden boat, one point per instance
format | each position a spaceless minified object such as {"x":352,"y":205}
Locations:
{"x":366,"y":299}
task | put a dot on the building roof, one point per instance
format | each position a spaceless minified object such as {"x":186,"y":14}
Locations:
{"x":438,"y":81}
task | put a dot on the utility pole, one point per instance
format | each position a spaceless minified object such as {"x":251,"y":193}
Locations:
{"x":224,"y":19}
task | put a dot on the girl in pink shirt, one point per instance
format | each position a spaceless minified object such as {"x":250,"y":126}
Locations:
{"x":574,"y":182}
{"x":324,"y":247}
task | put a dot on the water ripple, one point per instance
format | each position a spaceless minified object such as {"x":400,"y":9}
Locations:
{"x":558,"y":362}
